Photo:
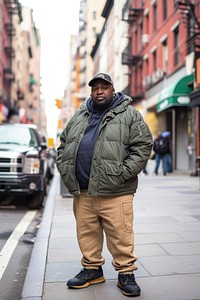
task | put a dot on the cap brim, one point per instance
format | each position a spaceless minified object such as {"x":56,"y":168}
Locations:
{"x":91,"y":82}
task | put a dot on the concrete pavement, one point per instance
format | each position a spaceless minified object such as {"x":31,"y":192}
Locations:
{"x":167,"y":237}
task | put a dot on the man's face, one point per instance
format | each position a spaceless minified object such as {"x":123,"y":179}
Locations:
{"x":102,"y":94}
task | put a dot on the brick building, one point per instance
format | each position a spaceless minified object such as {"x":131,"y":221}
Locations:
{"x":19,"y":66}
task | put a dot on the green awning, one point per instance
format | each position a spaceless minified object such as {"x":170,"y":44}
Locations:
{"x":176,"y":94}
{"x":32,"y":80}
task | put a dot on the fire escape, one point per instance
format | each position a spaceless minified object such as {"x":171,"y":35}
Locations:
{"x":130,"y":15}
{"x":12,"y":7}
{"x":192,"y":23}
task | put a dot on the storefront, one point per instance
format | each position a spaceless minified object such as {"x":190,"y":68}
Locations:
{"x":173,"y":107}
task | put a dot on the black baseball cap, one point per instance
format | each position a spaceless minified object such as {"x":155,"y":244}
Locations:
{"x":102,"y":76}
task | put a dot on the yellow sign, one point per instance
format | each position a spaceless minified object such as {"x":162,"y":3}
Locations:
{"x":59,"y":124}
{"x":59,"y":103}
{"x":50,"y":142}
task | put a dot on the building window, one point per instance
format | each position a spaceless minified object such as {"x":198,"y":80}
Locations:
{"x":141,"y":36}
{"x":154,"y":60}
{"x":94,"y":31}
{"x":176,"y":46}
{"x":165,"y":55}
{"x":175,"y":4}
{"x":155,"y":17}
{"x":141,"y":78}
{"x":147,"y":23}
{"x":136,"y":42}
{"x":191,"y":27}
{"x":147,"y":66}
{"x":94,"y":15}
{"x":164,"y":9}
{"x":136,"y":83}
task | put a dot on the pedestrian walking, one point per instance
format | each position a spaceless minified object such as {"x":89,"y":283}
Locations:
{"x":144,"y":171}
{"x":161,"y":149}
{"x":103,"y":148}
{"x":167,"y":160}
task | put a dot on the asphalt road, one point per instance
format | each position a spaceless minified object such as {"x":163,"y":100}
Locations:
{"x":18,"y":230}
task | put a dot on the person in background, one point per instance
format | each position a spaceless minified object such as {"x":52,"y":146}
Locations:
{"x":103,"y":148}
{"x":161,"y":148}
{"x":167,"y":160}
{"x":144,"y":171}
{"x":13,"y":116}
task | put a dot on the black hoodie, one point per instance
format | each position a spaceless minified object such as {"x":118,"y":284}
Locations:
{"x":86,"y":147}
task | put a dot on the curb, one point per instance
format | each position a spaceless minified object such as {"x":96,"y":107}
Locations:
{"x":33,"y":284}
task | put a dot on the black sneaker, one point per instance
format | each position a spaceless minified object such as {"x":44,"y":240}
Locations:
{"x":128,"y":285}
{"x":85,"y":278}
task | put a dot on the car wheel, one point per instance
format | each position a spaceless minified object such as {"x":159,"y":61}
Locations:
{"x":35,"y":201}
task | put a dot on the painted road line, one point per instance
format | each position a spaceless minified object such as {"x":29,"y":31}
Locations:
{"x":13,"y":240}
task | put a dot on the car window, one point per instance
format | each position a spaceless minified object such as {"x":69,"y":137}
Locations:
{"x":18,"y":135}
{"x":33,"y":140}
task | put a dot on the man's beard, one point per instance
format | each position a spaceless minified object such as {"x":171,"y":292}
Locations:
{"x":101,"y":106}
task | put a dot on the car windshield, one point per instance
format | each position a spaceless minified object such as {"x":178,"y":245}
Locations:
{"x":18,"y":135}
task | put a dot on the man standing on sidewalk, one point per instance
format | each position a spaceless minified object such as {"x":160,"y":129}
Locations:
{"x":103,"y":148}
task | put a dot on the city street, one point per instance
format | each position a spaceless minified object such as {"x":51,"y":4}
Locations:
{"x":167,"y":236}
{"x":92,"y":90}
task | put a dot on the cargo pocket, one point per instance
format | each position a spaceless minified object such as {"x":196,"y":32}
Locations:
{"x":127,"y":210}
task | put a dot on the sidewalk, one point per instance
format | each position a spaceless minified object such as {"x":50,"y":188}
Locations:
{"x":167,"y":233}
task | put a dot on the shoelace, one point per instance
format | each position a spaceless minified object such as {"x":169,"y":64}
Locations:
{"x":84,"y":273}
{"x":128,"y":278}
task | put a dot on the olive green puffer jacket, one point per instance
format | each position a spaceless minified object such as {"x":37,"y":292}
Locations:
{"x":122,"y":149}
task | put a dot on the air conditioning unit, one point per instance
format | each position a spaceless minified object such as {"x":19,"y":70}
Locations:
{"x":147,"y":81}
{"x":157,"y":75}
{"x":145,"y":38}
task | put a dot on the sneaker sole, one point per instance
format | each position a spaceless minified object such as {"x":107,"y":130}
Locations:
{"x":127,"y":294}
{"x":94,"y":281}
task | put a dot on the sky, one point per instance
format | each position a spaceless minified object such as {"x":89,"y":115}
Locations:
{"x":56,"y":20}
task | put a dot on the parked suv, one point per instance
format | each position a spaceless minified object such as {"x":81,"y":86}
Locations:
{"x":24,"y":163}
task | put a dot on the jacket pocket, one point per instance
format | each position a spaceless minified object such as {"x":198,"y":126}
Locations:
{"x":63,"y":169}
{"x":68,"y":177}
{"x":114,"y":173}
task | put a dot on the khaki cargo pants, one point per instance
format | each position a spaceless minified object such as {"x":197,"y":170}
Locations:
{"x":112,"y":216}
